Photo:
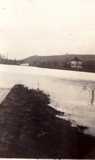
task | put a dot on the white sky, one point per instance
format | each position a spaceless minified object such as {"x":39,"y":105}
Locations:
{"x":45,"y":27}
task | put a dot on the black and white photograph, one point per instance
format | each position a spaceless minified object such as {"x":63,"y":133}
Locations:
{"x":47,"y":79}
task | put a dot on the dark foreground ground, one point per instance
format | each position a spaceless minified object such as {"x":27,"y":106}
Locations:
{"x":29,"y":128}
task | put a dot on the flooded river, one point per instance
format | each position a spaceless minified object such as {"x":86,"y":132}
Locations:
{"x":70,"y":91}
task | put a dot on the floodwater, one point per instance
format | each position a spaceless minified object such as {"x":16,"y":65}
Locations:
{"x":70,"y":91}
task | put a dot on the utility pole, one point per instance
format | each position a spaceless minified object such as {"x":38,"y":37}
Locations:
{"x":7,"y":56}
{"x":37,"y":85}
{"x":92,"y":96}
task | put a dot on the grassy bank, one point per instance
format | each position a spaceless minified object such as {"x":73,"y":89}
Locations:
{"x":30,"y":128}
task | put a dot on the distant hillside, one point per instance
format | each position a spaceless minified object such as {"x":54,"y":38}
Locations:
{"x":58,"y":58}
{"x":62,"y":62}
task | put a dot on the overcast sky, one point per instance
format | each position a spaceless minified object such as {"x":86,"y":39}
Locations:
{"x":45,"y":27}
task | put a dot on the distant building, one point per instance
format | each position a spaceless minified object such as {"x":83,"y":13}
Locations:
{"x":76,"y":63}
{"x":24,"y":64}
